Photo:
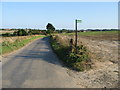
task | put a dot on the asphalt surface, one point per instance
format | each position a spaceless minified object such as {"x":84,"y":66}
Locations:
{"x":35,"y":66}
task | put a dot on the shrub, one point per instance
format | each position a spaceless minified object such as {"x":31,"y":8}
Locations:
{"x":15,"y":33}
{"x":5,"y":43}
{"x":70,"y":58}
{"x":6,"y":34}
{"x":20,"y":32}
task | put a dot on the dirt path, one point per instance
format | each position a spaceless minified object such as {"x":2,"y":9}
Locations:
{"x":35,"y":66}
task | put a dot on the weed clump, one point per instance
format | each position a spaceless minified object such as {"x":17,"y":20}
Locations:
{"x":79,"y":61}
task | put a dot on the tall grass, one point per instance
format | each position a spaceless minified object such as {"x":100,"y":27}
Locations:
{"x":79,"y":61}
{"x":7,"y":47}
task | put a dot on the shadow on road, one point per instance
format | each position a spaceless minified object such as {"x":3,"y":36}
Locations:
{"x":41,"y":50}
{"x":20,"y":63}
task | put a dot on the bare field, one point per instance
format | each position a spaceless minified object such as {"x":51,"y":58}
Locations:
{"x":104,"y":56}
{"x":5,"y":31}
{"x":112,"y":37}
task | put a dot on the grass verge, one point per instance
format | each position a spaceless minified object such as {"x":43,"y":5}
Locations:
{"x":7,"y":47}
{"x":79,"y":62}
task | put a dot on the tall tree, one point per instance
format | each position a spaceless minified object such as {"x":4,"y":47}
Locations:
{"x":50,"y":28}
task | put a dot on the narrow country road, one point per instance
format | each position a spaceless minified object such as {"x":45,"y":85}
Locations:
{"x":35,"y":66}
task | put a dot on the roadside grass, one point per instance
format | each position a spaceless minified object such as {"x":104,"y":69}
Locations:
{"x":93,"y":33}
{"x":7,"y":47}
{"x":78,"y":62}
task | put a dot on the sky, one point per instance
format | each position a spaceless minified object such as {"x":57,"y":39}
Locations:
{"x":94,"y":15}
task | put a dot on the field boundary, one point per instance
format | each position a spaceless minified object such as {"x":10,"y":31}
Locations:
{"x":75,"y":61}
{"x":6,"y":54}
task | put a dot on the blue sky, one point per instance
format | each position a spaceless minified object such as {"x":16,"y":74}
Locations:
{"x":60,"y":14}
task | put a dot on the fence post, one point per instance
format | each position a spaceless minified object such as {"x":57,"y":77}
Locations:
{"x":71,"y":45}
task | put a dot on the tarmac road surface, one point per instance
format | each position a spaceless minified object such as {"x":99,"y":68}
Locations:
{"x":35,"y":66}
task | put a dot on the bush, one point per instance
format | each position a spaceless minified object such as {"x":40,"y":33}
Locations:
{"x":34,"y":32}
{"x":6,"y":35}
{"x":5,"y":43}
{"x":15,"y":33}
{"x":21,"y":32}
{"x":70,"y":58}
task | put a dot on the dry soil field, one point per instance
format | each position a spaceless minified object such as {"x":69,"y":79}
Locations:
{"x":104,"y":56}
{"x":6,"y":31}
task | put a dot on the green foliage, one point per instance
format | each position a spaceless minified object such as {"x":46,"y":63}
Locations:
{"x":9,"y":47}
{"x":24,"y":32}
{"x":50,"y":28}
{"x":5,"y":43}
{"x":15,"y":33}
{"x":6,"y":35}
{"x":21,"y":32}
{"x":30,"y":32}
{"x":75,"y":60}
{"x":70,"y":58}
{"x":34,"y":32}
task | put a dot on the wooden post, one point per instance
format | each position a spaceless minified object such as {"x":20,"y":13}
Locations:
{"x":71,"y":45}
{"x":76,"y":35}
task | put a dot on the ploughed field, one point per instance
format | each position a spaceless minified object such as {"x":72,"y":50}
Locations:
{"x":103,"y":47}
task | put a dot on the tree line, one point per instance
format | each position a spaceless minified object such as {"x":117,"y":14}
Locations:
{"x":25,"y":32}
{"x":50,"y":29}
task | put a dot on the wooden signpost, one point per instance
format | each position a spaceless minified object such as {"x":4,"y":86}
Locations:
{"x":76,"y":21}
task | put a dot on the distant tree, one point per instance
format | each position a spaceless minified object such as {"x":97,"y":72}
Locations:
{"x":30,"y":32}
{"x":50,"y":28}
{"x":6,"y":34}
{"x":15,"y":33}
{"x":64,"y":30}
{"x":21,"y":32}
